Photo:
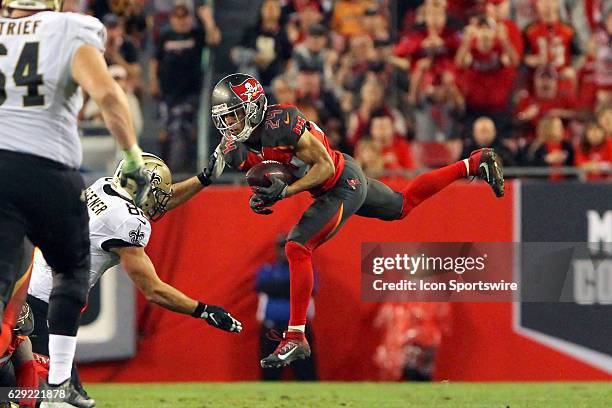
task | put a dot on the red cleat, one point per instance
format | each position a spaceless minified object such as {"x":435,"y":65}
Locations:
{"x":486,"y":165}
{"x":293,"y":345}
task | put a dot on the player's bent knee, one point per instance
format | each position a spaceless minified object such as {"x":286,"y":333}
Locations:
{"x":297,"y":251}
{"x":74,"y":287}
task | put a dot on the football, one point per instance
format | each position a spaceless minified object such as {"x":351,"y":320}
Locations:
{"x":259,"y":175}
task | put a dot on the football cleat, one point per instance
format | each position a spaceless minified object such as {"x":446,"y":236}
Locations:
{"x":486,"y":165}
{"x":66,"y":393}
{"x":293,"y":346}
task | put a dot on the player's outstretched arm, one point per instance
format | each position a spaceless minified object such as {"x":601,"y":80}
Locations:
{"x":141,"y":271}
{"x":185,"y":190}
{"x":89,"y":70}
{"x":311,"y":151}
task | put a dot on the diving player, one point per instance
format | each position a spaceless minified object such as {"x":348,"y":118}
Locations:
{"x":253,"y":131}
{"x":119,"y":230}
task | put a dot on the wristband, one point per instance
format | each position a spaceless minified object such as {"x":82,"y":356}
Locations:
{"x":205,"y":181}
{"x":200,"y":308}
{"x":132,"y":158}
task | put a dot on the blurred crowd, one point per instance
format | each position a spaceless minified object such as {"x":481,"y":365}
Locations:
{"x":401,"y":85}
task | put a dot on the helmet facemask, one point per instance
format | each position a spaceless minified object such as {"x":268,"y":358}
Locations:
{"x":156,"y":203}
{"x":248,"y":114}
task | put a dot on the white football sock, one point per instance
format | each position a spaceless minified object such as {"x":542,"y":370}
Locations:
{"x":61,"y":353}
{"x":301,"y":328}
{"x":467,"y":166}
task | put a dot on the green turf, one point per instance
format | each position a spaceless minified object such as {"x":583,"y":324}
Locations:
{"x":370,"y":395}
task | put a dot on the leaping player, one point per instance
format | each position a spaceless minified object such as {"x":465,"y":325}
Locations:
{"x":119,"y":230}
{"x":253,"y":131}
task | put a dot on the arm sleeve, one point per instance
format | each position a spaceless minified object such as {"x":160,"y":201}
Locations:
{"x":85,"y":30}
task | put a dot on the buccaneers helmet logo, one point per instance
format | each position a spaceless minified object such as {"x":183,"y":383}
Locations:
{"x":249,"y":90}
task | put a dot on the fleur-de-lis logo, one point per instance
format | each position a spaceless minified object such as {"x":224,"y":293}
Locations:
{"x":155,"y":178}
{"x":136,"y":236}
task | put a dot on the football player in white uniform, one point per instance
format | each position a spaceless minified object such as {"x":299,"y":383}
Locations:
{"x":119,"y":230}
{"x":46,"y":57}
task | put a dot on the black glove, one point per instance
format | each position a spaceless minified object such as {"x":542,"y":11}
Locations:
{"x":143,"y":183}
{"x":217,"y":317}
{"x":275,"y":192}
{"x":259,"y":206}
{"x":205,"y":176}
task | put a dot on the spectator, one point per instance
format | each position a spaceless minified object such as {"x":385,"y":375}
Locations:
{"x":347,"y":18}
{"x":395,"y":151}
{"x":411,"y":335}
{"x":525,"y":13}
{"x":284,"y":92}
{"x":120,"y":50}
{"x":549,"y":148}
{"x":603,"y":60}
{"x":604,"y":119}
{"x":272,"y":286}
{"x":596,"y":74}
{"x":313,"y":98}
{"x":547,"y":99}
{"x":433,"y":40}
{"x":549,"y":41}
{"x":308,"y":16}
{"x":372,"y":101}
{"x":355,"y":63}
{"x":499,"y":12}
{"x":595,"y":153}
{"x":176,"y":78}
{"x":437,"y":102}
{"x":205,"y":14}
{"x":484,"y":134}
{"x":375,"y":23}
{"x":368,"y":155}
{"x":136,"y":24}
{"x":265,"y":47}
{"x":312,"y":52}
{"x":489,"y":60}
{"x":93,"y":114}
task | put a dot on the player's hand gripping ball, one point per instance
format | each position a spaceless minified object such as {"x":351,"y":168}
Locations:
{"x":269,"y":181}
{"x":261,"y":174}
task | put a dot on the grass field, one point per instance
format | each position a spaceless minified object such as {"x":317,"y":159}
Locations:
{"x":370,"y":395}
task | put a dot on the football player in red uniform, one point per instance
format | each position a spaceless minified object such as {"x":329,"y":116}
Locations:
{"x":253,"y":132}
{"x":17,"y":364}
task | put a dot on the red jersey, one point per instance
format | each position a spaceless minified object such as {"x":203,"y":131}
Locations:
{"x":411,"y":45}
{"x":601,"y":153}
{"x":13,"y":345}
{"x":398,"y":156}
{"x":525,"y":100}
{"x":487,"y":73}
{"x":556,"y":41}
{"x":279,"y":134}
{"x":516,"y":37}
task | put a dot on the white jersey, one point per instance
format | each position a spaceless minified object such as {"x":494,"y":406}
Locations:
{"x":39,"y":100}
{"x":114,"y":221}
